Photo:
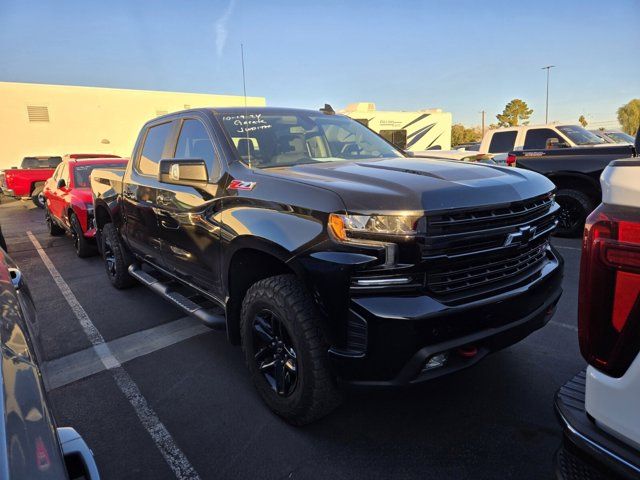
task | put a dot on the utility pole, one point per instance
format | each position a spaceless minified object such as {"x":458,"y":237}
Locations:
{"x":482,"y":112}
{"x":546,"y":110}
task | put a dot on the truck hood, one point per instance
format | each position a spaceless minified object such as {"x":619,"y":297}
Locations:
{"x":417,"y":183}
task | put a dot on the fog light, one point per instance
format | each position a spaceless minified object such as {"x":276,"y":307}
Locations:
{"x":436,"y":361}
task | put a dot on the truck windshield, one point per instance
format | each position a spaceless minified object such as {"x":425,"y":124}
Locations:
{"x":294,"y":138}
{"x":82,"y":173}
{"x":620,"y":137}
{"x":580,"y":136}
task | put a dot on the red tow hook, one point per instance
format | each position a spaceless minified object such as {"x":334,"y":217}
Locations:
{"x":468,"y":351}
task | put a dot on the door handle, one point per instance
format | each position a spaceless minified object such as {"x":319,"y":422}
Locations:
{"x":168,"y":222}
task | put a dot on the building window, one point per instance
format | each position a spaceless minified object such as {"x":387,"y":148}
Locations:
{"x":38,"y":113}
{"x":187,"y":106}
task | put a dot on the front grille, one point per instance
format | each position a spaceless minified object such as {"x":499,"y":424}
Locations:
{"x":482,"y":273}
{"x":480,"y":251}
{"x":458,"y":234}
{"x":499,"y":216}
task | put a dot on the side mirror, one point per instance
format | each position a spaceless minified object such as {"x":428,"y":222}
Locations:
{"x":555,"y":143}
{"x":77,"y":452}
{"x":62,"y":183}
{"x":181,"y":171}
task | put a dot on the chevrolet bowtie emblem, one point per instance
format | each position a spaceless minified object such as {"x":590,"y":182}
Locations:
{"x":523,"y":236}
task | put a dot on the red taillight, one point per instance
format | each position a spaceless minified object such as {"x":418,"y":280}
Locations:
{"x":609,"y":300}
{"x":511,"y":160}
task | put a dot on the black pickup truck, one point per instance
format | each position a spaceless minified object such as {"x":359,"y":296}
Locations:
{"x":324,"y":251}
{"x":576,"y":173}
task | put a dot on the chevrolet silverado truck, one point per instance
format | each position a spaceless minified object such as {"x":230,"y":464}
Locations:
{"x":324,"y":251}
{"x":576,"y":173}
{"x":28,"y":180}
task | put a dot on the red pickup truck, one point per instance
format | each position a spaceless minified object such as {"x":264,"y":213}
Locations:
{"x":28,"y":180}
{"x":69,"y":202}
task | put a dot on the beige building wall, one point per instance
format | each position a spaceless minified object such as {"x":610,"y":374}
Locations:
{"x":37,"y":119}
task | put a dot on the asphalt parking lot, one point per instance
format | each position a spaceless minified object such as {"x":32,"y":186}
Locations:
{"x":495,"y":420}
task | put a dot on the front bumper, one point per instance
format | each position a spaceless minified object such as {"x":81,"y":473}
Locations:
{"x":588,"y":452}
{"x":404,"y":331}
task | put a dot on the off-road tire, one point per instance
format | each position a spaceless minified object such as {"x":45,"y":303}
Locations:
{"x":111,"y":244}
{"x":316,"y":394}
{"x":54,"y":229}
{"x":37,"y":196}
{"x":82,"y":245}
{"x":575,"y":207}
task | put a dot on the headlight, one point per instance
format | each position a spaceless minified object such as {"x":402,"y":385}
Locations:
{"x":344,"y":226}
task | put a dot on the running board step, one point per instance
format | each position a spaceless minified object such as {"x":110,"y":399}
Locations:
{"x":212,"y":320}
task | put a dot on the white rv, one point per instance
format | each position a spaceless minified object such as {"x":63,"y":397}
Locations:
{"x":416,"y":131}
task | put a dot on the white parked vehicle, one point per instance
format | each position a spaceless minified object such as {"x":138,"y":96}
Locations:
{"x":499,"y":142}
{"x":416,"y":130}
{"x":537,"y":137}
{"x":600,"y":408}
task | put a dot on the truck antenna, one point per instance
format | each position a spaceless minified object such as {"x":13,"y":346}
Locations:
{"x":246,"y":113}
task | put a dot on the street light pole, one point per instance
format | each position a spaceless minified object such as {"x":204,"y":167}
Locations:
{"x":482,"y":112}
{"x":546,"y":110}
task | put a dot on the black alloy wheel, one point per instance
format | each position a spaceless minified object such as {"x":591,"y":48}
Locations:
{"x":570,"y":214}
{"x":116,"y":258}
{"x":574,"y":208}
{"x":274,"y":353}
{"x":52,"y":226}
{"x":81,"y":244}
{"x":285,"y":350}
{"x":108,"y":253}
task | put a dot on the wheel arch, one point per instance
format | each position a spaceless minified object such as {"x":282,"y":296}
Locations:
{"x":248,"y":261}
{"x":102,"y":215}
{"x":34,"y":184}
{"x":577,"y":181}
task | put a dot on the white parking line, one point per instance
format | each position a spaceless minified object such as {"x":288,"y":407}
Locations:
{"x":84,"y":363}
{"x":564,"y":325}
{"x":562,"y":247}
{"x":172,"y":454}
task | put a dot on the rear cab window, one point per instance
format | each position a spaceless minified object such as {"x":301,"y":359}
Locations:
{"x":502,"y":142}
{"x":153,"y":148}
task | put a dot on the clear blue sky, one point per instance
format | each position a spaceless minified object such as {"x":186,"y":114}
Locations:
{"x":461,"y":56}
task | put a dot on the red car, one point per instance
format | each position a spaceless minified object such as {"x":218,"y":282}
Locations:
{"x":28,"y":180}
{"x":68,"y":199}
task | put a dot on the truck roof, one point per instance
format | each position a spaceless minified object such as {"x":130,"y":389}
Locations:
{"x":280,"y":110}
{"x":241,"y":110}
{"x":82,"y":156}
{"x":89,"y":161}
{"x":525,"y":127}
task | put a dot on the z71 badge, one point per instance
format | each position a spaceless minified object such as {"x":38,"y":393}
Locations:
{"x":241,"y":185}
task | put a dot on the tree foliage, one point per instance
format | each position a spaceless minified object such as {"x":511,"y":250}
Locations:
{"x":583,"y":121}
{"x":629,"y":116}
{"x":461,"y":134}
{"x":513,"y":112}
